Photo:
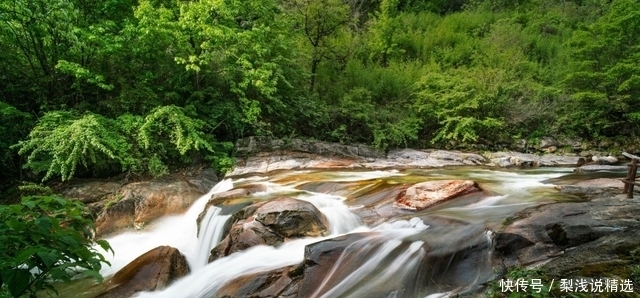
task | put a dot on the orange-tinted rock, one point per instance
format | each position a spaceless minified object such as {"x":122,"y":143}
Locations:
{"x":426,"y":194}
{"x":151,"y":271}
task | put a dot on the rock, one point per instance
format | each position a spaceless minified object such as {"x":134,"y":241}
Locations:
{"x":152,"y":271}
{"x":281,"y":282}
{"x":595,"y":168}
{"x":432,"y":261}
{"x":91,"y":192}
{"x":253,"y":145}
{"x":519,"y":145}
{"x":509,"y":159}
{"x":271,"y":223}
{"x":574,"y":144}
{"x":292,"y":218}
{"x":117,"y":205}
{"x":458,"y":157}
{"x":557,"y":234}
{"x":139,"y":203}
{"x":426,"y":194}
{"x":547,"y":142}
{"x":320,"y":258}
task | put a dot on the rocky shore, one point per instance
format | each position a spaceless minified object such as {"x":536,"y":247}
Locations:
{"x":595,"y":235}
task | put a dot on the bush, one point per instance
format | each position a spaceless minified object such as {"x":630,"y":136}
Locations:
{"x":63,"y":140}
{"x":46,"y":239}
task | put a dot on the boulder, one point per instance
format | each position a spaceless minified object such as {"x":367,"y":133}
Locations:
{"x":152,"y":271}
{"x":118,"y":205}
{"x":91,"y":191}
{"x":271,"y":223}
{"x":547,"y":142}
{"x":292,"y":218}
{"x":426,"y":194}
{"x":572,"y":239}
{"x":320,"y":258}
{"x":281,"y":282}
{"x":137,"y":204}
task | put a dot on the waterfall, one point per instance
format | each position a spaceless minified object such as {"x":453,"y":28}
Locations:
{"x":379,"y":262}
{"x":398,"y":258}
{"x":179,"y":231}
{"x":212,"y":227}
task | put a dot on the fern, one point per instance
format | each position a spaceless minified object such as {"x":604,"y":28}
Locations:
{"x":184,"y":132}
{"x":62,"y":140}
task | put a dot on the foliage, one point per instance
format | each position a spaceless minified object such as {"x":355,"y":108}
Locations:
{"x":63,"y":140}
{"x":46,"y":239}
{"x":466,"y":108}
{"x":143,"y":86}
{"x":605,"y":78}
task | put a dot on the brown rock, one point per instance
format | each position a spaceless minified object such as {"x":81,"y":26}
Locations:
{"x":426,"y":194}
{"x":281,"y":282}
{"x":292,"y":218}
{"x":91,"y":192}
{"x":137,"y":204}
{"x":271,"y":223}
{"x":151,"y":271}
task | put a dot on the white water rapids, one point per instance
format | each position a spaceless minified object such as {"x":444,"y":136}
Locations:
{"x":392,"y":250}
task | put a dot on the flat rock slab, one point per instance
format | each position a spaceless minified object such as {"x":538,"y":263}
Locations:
{"x":426,"y":194}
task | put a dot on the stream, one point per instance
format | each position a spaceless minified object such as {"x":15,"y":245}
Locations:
{"x":397,"y":253}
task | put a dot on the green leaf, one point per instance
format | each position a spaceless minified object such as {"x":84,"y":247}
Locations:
{"x":17,"y":280}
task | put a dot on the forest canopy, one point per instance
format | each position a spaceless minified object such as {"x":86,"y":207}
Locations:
{"x":91,"y":88}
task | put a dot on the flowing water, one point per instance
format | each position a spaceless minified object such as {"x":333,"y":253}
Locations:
{"x":397,"y":253}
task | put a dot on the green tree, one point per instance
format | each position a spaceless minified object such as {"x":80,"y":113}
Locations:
{"x":46,"y":239}
{"x":319,"y":21}
{"x":383,"y":29}
{"x":604,"y":80}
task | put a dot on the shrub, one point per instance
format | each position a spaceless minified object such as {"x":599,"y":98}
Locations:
{"x":62,"y":140}
{"x":46,"y":239}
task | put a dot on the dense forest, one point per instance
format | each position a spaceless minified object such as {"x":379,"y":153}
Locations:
{"x":98,"y":88}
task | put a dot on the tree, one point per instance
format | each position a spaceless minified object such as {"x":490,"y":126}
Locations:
{"x":604,"y":80}
{"x":383,"y":28}
{"x":46,"y":239}
{"x":319,"y":21}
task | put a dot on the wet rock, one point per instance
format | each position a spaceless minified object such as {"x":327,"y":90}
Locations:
{"x":292,"y":218}
{"x":271,"y":223}
{"x":426,"y":194}
{"x":320,"y":258}
{"x":137,"y":204}
{"x":152,"y":271}
{"x":281,"y":282}
{"x":595,"y":168}
{"x":568,"y":236}
{"x":433,"y":261}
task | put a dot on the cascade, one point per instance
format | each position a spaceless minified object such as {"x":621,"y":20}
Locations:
{"x":396,"y":257}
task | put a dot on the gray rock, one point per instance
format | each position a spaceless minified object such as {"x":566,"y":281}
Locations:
{"x":547,"y":142}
